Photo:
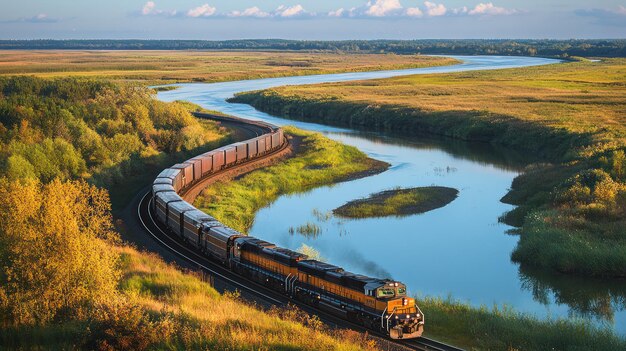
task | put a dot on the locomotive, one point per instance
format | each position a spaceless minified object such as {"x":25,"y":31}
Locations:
{"x":379,"y":304}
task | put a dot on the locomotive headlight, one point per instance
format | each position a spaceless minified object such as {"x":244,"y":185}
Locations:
{"x":408,"y":316}
{"x":417,"y":315}
{"x":396,"y":317}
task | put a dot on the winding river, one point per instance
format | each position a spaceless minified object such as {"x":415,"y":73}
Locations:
{"x":460,"y":250}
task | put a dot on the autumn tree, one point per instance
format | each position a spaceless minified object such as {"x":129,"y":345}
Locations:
{"x":55,"y":254}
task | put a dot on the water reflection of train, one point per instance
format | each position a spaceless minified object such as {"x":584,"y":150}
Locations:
{"x":378,"y":304}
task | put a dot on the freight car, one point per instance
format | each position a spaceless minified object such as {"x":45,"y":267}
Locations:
{"x":378,"y":304}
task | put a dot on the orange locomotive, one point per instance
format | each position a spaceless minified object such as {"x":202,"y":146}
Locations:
{"x":379,"y":304}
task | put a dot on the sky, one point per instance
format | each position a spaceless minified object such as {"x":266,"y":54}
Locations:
{"x":311,"y":19}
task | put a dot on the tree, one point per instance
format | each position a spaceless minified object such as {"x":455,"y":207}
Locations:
{"x":55,"y":255}
{"x":19,"y":168}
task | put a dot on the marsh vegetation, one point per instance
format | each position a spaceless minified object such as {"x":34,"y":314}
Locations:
{"x":572,"y":207}
{"x":398,"y":202}
{"x":503,"y":328}
{"x":160,"y":67}
{"x":309,"y":230}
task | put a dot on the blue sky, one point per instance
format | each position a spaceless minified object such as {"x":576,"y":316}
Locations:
{"x":304,"y":19}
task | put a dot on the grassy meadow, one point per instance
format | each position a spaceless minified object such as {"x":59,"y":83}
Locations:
{"x":572,"y":207}
{"x":318,"y":161}
{"x":398,"y":202}
{"x":159,"y":67}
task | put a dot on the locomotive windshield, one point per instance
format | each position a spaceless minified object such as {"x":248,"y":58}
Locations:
{"x":401,"y":292}
{"x":385,"y":292}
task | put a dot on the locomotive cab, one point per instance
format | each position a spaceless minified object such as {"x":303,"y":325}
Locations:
{"x":401,"y":318}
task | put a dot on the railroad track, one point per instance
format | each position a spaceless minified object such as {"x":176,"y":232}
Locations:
{"x":254,"y":290}
{"x":427,"y":344}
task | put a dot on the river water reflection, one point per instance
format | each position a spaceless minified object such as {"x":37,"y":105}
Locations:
{"x":459,"y":250}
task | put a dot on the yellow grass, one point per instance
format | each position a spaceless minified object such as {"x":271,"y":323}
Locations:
{"x":222,"y":321}
{"x":185,"y":66}
{"x":583,"y":97}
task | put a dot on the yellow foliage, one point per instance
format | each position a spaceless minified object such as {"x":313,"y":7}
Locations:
{"x":54,"y":251}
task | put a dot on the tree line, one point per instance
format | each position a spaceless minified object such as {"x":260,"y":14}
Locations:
{"x":517,"y":47}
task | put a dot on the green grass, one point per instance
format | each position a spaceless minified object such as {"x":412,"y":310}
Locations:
{"x":320,"y":161}
{"x":572,"y":207}
{"x":502,"y":328}
{"x":398,"y":202}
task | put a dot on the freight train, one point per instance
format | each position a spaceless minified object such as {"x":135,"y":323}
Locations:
{"x":378,"y":304}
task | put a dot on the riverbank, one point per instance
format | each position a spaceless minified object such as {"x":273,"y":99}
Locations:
{"x":398,"y":202}
{"x":571,"y":208}
{"x":502,"y":328}
{"x":316,"y":161}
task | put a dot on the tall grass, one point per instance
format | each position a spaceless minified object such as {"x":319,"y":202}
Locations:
{"x":502,"y":328}
{"x":164,"y":308}
{"x":219,"y":321}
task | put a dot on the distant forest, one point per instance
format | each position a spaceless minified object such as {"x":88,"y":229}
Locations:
{"x":526,"y":47}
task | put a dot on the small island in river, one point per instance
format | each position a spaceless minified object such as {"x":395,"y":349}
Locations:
{"x":398,"y":202}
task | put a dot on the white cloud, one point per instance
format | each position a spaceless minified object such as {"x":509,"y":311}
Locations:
{"x":490,"y":9}
{"x":414,"y":12}
{"x":382,"y":7}
{"x":148,"y":8}
{"x":249,"y":12}
{"x":337,"y":12}
{"x":373,"y":8}
{"x":433,"y":9}
{"x":289,"y":11}
{"x":40,"y":18}
{"x":202,"y":11}
{"x":281,"y":11}
{"x":621,"y":10}
{"x":460,"y":10}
